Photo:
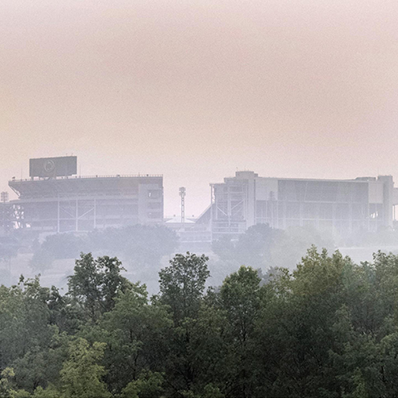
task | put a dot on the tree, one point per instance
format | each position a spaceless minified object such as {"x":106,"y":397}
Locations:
{"x":295,"y":328}
{"x":41,"y":364}
{"x":49,"y":392}
{"x":136,"y":334}
{"x":63,"y":245}
{"x":181,"y":288}
{"x":240,"y":296}
{"x":24,"y":317}
{"x":253,"y":248}
{"x":148,"y":385}
{"x":291,"y":246}
{"x":81,"y":375}
{"x":5,"y":388}
{"x":42,"y":260}
{"x":140,"y":245}
{"x":95,"y":283}
{"x":182,"y":285}
{"x":9,"y":246}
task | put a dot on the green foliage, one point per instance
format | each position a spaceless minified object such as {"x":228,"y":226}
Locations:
{"x":182,"y":285}
{"x":327,"y":329}
{"x":6,"y":389}
{"x":24,"y":320}
{"x":49,"y":392}
{"x":240,"y":295}
{"x":81,"y":374}
{"x":135,"y":333}
{"x":42,"y":364}
{"x":96,"y":282}
{"x":148,"y":385}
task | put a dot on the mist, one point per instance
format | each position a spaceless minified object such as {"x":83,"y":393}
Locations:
{"x":198,"y":199}
{"x":197,"y":90}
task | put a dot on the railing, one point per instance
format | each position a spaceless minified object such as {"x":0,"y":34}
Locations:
{"x":88,"y":177}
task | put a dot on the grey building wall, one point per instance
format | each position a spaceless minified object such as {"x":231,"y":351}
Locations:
{"x":340,"y":206}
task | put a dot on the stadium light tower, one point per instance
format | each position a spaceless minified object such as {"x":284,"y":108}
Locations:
{"x":182,"y":194}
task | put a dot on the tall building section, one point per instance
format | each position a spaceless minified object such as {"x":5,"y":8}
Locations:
{"x":54,"y":200}
{"x":341,"y":206}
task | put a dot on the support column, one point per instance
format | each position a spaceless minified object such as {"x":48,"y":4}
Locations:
{"x":58,"y":215}
{"x":77,"y":216}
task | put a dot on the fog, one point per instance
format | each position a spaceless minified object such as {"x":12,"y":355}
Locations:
{"x":196,"y":90}
{"x":197,"y":199}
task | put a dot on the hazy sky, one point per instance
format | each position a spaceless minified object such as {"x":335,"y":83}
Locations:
{"x":196,"y":89}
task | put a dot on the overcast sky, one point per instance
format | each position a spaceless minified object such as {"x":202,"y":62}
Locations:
{"x":197,"y":89}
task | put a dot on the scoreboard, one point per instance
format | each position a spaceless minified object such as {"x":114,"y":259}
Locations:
{"x":53,"y":167}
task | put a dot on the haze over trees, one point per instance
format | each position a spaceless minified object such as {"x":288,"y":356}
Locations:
{"x":138,"y":244}
{"x":326,"y":329}
{"x":144,"y":250}
{"x":264,"y":247}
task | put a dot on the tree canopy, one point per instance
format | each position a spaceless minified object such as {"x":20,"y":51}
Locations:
{"x":328,"y":328}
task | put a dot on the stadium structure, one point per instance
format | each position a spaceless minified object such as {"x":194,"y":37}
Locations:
{"x":56,"y":200}
{"x":341,"y":206}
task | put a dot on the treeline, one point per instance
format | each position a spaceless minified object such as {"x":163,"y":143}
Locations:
{"x":327,"y":329}
{"x":141,"y":245}
{"x":261,"y":246}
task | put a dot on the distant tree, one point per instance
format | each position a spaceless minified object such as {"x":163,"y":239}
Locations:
{"x":41,"y":260}
{"x":140,"y":245}
{"x":60,"y":246}
{"x":55,"y":247}
{"x":9,"y":246}
{"x":252,"y":248}
{"x":292,"y":245}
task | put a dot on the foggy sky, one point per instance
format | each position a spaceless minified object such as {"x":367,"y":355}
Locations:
{"x":197,"y":89}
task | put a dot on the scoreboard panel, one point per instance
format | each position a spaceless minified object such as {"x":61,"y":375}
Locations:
{"x":53,"y":167}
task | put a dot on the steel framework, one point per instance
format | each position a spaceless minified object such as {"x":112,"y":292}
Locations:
{"x":81,"y":204}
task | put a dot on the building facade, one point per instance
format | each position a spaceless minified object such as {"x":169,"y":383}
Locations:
{"x":340,"y":206}
{"x":81,"y":204}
